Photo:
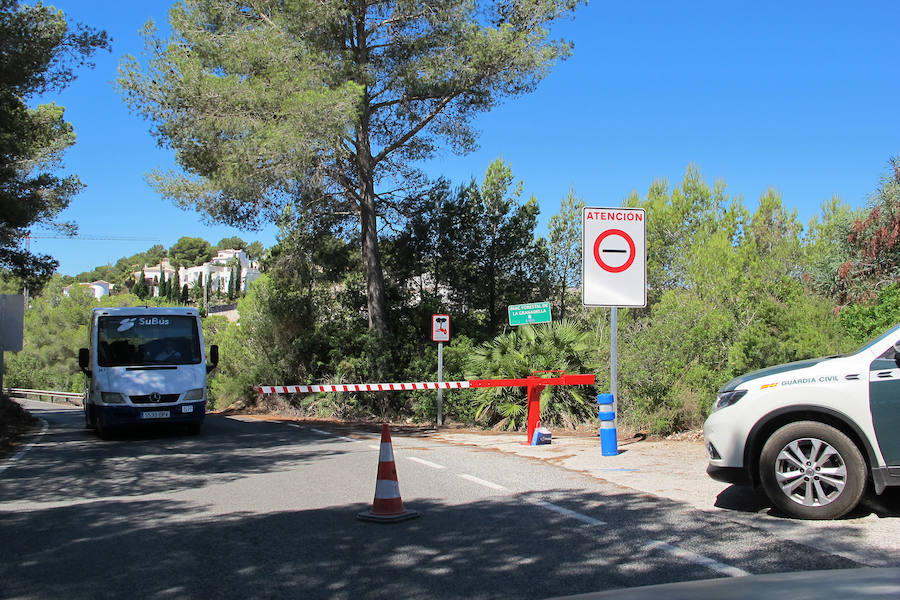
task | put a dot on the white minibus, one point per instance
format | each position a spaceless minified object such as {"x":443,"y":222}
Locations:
{"x":145,"y":365}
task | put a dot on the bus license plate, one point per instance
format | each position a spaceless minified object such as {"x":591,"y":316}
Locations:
{"x":155,"y":414}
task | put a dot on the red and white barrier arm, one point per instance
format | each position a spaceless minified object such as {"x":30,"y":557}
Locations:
{"x":563,"y":379}
{"x":362,"y":387}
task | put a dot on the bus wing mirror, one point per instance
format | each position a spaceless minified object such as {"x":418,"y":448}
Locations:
{"x":84,"y":361}
{"x":213,"y":359}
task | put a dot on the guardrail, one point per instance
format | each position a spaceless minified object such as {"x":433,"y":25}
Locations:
{"x":66,"y":397}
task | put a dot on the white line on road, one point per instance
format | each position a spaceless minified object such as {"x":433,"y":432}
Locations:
{"x":427,"y":463}
{"x":488,"y":484}
{"x":334,"y":435}
{"x":568,"y":513}
{"x":18,"y":455}
{"x":697,"y":559}
{"x":294,"y":425}
{"x":374,"y":447}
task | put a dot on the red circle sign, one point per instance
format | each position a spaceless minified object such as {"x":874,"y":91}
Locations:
{"x":631,"y":250}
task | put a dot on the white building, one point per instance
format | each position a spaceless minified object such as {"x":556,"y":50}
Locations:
{"x":217,"y":272}
{"x":99,"y":288}
{"x":164,"y":271}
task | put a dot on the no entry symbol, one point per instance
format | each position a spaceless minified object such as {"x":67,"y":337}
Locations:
{"x":611,"y":246}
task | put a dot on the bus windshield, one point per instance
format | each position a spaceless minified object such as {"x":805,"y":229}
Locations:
{"x":147,"y":340}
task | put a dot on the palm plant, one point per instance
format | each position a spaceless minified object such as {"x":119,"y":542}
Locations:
{"x":518,"y":354}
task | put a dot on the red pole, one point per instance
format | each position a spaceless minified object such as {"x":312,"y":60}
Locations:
{"x":535,"y":387}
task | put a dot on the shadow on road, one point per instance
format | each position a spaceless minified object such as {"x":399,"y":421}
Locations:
{"x":146,"y":461}
{"x":501,"y":548}
{"x":98,"y":537}
{"x":747,"y":499}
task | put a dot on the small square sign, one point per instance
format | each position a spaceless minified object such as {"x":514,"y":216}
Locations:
{"x":440,"y":328}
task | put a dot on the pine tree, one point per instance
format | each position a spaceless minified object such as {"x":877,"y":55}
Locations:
{"x":140,"y":288}
{"x":255,"y":96}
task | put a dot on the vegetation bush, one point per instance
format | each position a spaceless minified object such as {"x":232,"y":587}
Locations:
{"x":561,"y":346}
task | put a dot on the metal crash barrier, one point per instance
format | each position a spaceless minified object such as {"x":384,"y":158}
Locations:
{"x":67,"y":397}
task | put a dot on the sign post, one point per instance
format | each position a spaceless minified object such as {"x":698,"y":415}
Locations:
{"x":614,"y":268}
{"x":440,"y":333}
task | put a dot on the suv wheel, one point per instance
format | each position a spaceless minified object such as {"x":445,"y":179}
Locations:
{"x":812,"y":471}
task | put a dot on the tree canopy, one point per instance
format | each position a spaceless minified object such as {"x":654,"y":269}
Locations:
{"x":39,"y":52}
{"x":190,"y":251}
{"x":329,"y":104}
{"x":231,"y":243}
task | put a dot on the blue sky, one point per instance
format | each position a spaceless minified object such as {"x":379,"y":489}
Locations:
{"x":799,"y":96}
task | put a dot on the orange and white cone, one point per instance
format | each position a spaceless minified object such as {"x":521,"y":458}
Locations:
{"x":388,"y":506}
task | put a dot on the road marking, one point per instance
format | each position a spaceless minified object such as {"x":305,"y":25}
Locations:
{"x":697,"y":559}
{"x":18,"y":455}
{"x":334,"y":435}
{"x":374,"y":447}
{"x":427,"y":463}
{"x":568,"y":513}
{"x":488,"y":484}
{"x":294,"y":425}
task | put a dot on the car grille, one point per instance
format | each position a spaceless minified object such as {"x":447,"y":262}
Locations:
{"x":154,"y":399}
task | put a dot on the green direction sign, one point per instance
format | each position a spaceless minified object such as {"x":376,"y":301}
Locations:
{"x":529,"y":314}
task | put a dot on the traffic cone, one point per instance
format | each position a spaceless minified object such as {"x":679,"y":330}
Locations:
{"x":388,"y":506}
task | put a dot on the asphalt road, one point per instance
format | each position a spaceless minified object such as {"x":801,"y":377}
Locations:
{"x":252,"y":509}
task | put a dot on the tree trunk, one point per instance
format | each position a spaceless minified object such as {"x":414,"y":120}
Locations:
{"x":371,"y":256}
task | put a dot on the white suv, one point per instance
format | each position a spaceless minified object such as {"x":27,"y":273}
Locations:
{"x":812,"y":432}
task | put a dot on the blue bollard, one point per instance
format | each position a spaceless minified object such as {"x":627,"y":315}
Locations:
{"x":609,"y":445}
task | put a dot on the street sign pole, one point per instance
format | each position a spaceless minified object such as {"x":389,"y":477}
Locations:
{"x":440,"y":399}
{"x":614,"y":354}
{"x":440,"y":333}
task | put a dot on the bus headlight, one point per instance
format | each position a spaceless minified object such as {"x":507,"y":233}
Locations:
{"x":112,"y":398}
{"x":194,"y":395}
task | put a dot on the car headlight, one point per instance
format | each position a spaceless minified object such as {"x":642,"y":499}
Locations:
{"x":112,"y":398}
{"x":194,"y":395}
{"x":728,"y":398}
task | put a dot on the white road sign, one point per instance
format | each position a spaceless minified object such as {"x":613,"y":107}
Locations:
{"x":614,"y":257}
{"x":440,"y":328}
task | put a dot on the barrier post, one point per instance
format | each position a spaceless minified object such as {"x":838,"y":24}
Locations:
{"x":609,"y":445}
{"x":534,"y":405}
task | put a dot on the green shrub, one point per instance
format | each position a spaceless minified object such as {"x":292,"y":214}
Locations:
{"x":518,"y":354}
